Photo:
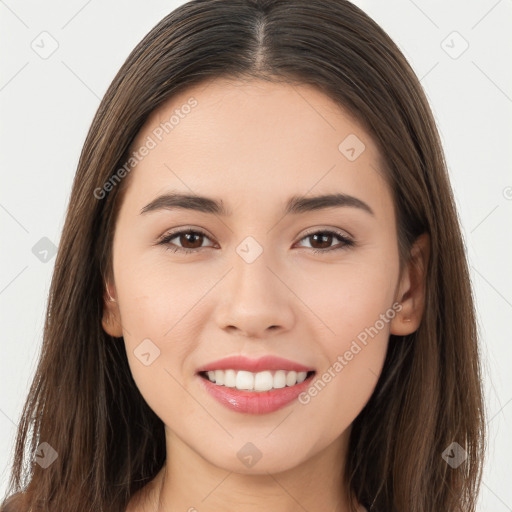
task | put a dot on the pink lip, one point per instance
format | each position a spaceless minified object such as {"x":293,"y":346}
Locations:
{"x":254,"y":402}
{"x":254,"y":365}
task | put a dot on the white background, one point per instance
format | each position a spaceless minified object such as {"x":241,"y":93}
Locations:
{"x":48,"y":104}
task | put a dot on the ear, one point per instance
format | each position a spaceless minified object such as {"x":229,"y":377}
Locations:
{"x":412,"y":288}
{"x":111,"y":320}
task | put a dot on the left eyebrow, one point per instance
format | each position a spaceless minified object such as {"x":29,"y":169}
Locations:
{"x":295,"y":205}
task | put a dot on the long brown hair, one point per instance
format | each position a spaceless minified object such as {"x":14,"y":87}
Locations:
{"x":83,"y":400}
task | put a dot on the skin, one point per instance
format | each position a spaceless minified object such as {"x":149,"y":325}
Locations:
{"x":244,"y":142}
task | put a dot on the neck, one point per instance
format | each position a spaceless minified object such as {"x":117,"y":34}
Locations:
{"x":188,"y":482}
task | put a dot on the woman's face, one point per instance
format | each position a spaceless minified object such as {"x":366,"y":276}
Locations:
{"x":252,"y":284}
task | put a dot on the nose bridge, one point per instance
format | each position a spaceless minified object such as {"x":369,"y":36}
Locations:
{"x":252,"y":281}
{"x":254,"y":299}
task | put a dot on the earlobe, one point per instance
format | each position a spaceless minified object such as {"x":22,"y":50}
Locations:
{"x":111,"y":320}
{"x":411,"y":292}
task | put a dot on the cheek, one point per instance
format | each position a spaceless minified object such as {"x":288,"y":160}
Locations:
{"x":158,"y":297}
{"x":161,"y":338}
{"x":347,"y":297}
{"x":346,"y":381}
{"x":355,"y":305}
{"x":159,"y":311}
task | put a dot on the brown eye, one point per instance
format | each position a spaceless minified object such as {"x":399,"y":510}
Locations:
{"x":321,"y":241}
{"x":189,"y":240}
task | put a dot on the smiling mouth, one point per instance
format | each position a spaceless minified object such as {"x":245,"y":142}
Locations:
{"x":259,"y":382}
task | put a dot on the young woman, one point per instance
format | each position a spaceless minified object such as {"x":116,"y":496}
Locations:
{"x":261,"y":299}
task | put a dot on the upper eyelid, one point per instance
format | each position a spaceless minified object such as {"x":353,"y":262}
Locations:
{"x":336,"y":231}
{"x":180,"y":231}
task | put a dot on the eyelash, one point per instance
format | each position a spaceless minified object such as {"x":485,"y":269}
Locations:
{"x":346,"y":242}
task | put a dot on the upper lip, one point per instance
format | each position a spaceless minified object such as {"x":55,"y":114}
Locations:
{"x":240,"y":362}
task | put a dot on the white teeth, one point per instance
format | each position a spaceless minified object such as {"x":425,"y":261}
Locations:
{"x":280,"y":379}
{"x":301,"y":377}
{"x":261,"y":381}
{"x":244,"y":380}
{"x":229,"y":378}
{"x":291,"y":378}
{"x":219,"y":377}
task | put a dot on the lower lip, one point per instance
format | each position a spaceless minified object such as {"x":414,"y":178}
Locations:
{"x":255,"y":402}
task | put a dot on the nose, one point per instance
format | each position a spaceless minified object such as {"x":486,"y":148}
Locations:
{"x":255,"y":300}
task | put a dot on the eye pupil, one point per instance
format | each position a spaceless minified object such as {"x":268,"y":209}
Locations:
{"x":323,"y":235}
{"x":192,"y":234}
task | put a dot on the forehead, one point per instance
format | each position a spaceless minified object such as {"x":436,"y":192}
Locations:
{"x":241,"y":140}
